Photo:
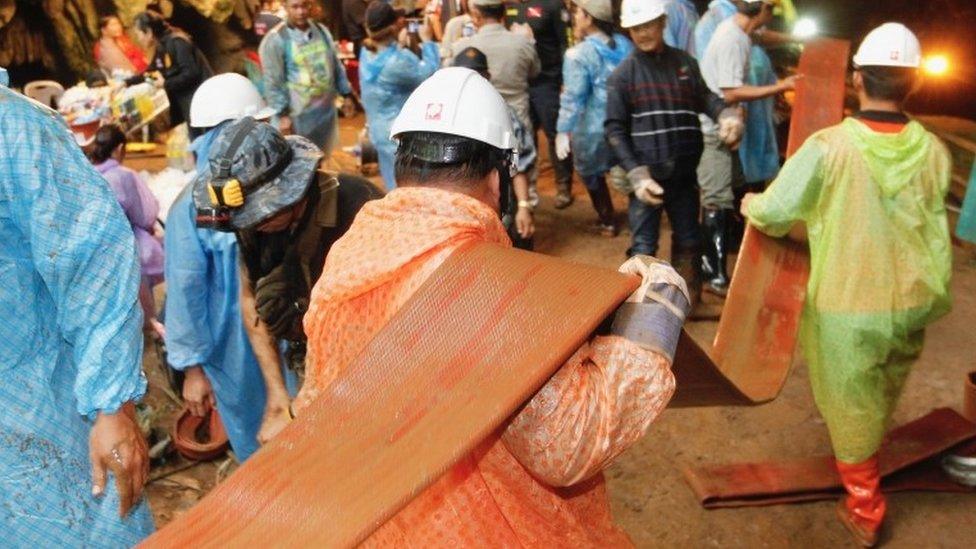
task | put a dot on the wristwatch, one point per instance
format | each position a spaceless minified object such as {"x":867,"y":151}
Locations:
{"x":525,"y":204}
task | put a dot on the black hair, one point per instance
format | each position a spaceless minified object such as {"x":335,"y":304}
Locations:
{"x":95,"y":78}
{"x":107,"y":139}
{"x":152,"y":21}
{"x":750,"y":9}
{"x":375,"y":38}
{"x":475,"y":159}
{"x":493,"y":12}
{"x":104,"y":21}
{"x":889,"y":83}
{"x":607,"y":28}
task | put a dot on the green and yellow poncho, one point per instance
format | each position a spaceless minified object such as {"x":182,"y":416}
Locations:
{"x":874,"y":208}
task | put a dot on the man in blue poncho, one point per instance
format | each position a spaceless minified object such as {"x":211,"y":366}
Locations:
{"x":680,"y":31}
{"x":72,"y":332}
{"x":303,"y":75}
{"x":205,"y":336}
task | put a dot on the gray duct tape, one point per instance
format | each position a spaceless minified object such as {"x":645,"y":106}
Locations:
{"x":651,"y":325}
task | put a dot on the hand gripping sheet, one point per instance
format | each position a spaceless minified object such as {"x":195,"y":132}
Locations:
{"x":757,"y":334}
{"x":475,"y":342}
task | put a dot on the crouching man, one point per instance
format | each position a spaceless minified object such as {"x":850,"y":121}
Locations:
{"x":286,"y":213}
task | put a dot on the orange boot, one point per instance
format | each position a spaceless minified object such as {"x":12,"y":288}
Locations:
{"x":864,"y":507}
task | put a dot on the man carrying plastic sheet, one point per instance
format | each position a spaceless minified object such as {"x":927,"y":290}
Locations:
{"x":537,"y":480}
{"x":870,"y":193}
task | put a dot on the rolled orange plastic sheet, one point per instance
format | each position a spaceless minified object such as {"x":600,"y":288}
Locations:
{"x":475,"y":342}
{"x":757,"y":334}
{"x":905,"y":460}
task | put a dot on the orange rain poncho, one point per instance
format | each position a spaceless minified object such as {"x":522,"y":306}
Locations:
{"x":601,"y":401}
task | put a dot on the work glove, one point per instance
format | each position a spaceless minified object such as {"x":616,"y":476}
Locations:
{"x":277,"y":305}
{"x":618,"y":180}
{"x":562,"y":145}
{"x":645,"y":188}
{"x":731,"y":127}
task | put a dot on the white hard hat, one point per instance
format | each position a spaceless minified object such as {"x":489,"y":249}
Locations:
{"x":638,"y":12}
{"x":457,"y":101}
{"x":890,"y":45}
{"x":227,"y":96}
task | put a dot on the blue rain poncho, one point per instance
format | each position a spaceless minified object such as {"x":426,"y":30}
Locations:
{"x":966,"y":228}
{"x":583,"y":101}
{"x":302,"y":76}
{"x":880,"y":260}
{"x":388,"y":77}
{"x":204,"y":325}
{"x":203,"y":315}
{"x":524,"y":143}
{"x":680,"y":30}
{"x":759,"y":150}
{"x":718,"y":11}
{"x":71,"y":331}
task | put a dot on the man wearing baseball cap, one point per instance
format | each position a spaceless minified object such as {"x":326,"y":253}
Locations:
{"x":870,"y":193}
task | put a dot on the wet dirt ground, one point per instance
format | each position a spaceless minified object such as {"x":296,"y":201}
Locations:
{"x":649,"y":496}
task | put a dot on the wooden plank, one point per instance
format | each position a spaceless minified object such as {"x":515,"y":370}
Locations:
{"x":443,"y":375}
{"x":757,"y":332}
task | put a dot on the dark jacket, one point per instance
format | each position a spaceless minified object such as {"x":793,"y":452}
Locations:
{"x":184,"y":68}
{"x":653,"y":101}
{"x":285,"y":257}
{"x":548,"y":19}
{"x":353,"y":19}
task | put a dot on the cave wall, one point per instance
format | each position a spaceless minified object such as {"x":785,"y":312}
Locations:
{"x":54,"y":38}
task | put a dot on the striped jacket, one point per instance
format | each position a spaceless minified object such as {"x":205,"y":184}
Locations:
{"x":653,"y":101}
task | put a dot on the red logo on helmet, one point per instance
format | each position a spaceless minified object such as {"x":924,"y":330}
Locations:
{"x":434,"y":111}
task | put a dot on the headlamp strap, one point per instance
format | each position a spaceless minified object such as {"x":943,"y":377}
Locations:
{"x":223,"y":189}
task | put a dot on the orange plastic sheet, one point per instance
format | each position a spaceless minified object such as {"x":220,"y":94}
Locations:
{"x":753,"y":349}
{"x":908,"y":461}
{"x":432,"y":385}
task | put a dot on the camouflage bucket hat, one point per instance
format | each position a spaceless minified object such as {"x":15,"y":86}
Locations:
{"x":255,"y":173}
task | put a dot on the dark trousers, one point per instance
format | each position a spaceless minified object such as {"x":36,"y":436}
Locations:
{"x":595,"y":182}
{"x":544,"y":108}
{"x":681,"y":202}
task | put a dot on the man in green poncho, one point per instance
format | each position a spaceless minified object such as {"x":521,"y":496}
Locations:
{"x":869,"y":193}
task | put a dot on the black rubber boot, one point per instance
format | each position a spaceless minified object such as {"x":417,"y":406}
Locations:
{"x":713,"y":258}
{"x":603,"y":205}
{"x":687,"y":262}
{"x":564,"y":194}
{"x":735,"y":223}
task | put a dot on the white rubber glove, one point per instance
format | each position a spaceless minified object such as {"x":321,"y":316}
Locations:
{"x":645,"y":188}
{"x":652,"y":271}
{"x":562,"y":145}
{"x":731,"y":127}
